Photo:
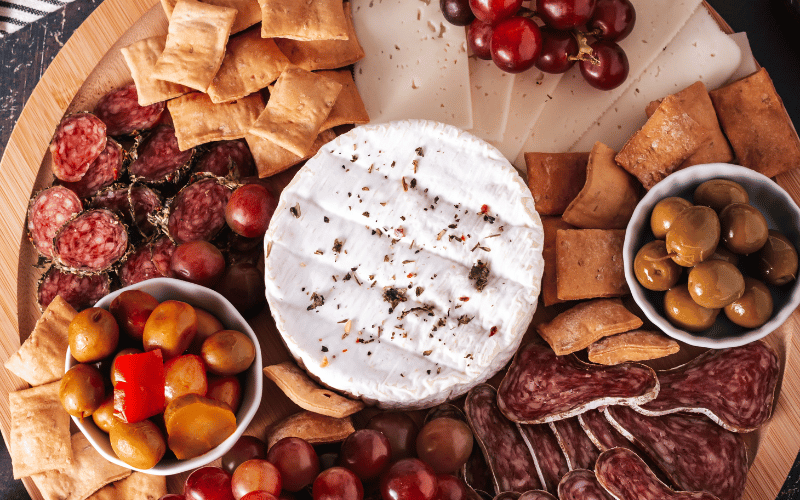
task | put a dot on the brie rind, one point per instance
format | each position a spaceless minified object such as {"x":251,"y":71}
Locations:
{"x":404,"y":211}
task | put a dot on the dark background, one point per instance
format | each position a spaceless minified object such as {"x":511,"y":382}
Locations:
{"x":773,"y":29}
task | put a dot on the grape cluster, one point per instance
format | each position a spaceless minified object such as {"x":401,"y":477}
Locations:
{"x":584,"y":31}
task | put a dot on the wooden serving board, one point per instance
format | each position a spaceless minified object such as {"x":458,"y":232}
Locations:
{"x":90,"y":65}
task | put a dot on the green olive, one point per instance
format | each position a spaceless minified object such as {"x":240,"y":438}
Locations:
{"x":743,"y":228}
{"x":664,"y":213}
{"x":654,"y":268}
{"x":719,"y":193}
{"x":715,"y":283}
{"x":683,"y":312}
{"x":753,"y":308}
{"x":693,"y":235}
{"x":82,"y":390}
{"x":140,"y":445}
{"x":776,"y":262}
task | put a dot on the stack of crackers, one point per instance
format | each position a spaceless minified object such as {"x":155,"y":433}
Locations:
{"x":213,"y":81}
{"x":63,"y":466}
{"x":587,"y":199}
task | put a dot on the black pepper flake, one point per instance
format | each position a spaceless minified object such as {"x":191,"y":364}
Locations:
{"x":452,"y":226}
{"x":489,"y":219}
{"x":441,"y":322}
{"x":326,"y":219}
{"x":316,"y":301}
{"x":419,"y":291}
{"x":394,"y":295}
{"x":419,"y":151}
{"x":354,"y":158}
{"x":366,"y":214}
{"x":480,"y":274}
{"x":324,"y":349}
{"x":427,"y":353}
{"x":429,"y":372}
{"x":393,"y":164}
{"x":295,"y":210}
{"x":405,"y":185}
{"x":347,"y":277}
{"x":413,"y":183}
{"x":337,"y":246}
{"x":463,"y":320}
{"x":369,"y":353}
{"x":416,"y":164}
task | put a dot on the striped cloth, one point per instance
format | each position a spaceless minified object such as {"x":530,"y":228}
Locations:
{"x":15,"y":14}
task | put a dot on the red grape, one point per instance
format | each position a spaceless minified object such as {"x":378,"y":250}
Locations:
{"x":613,"y":67}
{"x":198,"y":262}
{"x":366,"y":452}
{"x":297,"y":462}
{"x":399,"y":429}
{"x":255,"y":475}
{"x":246,"y":448}
{"x":337,"y":483}
{"x":479,"y":38}
{"x":565,"y":14}
{"x":557,"y":47}
{"x":457,"y":12}
{"x":516,"y":44}
{"x":259,"y":495}
{"x":243,"y":285}
{"x":408,"y":479}
{"x":208,"y":483}
{"x":450,"y":488}
{"x":613,"y":20}
{"x":249,"y":210}
{"x":445,"y":444}
{"x":494,"y":11}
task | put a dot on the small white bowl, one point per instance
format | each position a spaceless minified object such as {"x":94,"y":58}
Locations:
{"x":172,"y":289}
{"x":781,"y":213}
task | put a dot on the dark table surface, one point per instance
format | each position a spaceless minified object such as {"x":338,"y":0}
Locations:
{"x":772,"y":28}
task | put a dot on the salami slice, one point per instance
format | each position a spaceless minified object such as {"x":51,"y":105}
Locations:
{"x":536,"y":495}
{"x":580,"y":450}
{"x":79,"y":291}
{"x":120,"y":111}
{"x":162,"y":250}
{"x":114,"y":198}
{"x":158,"y":159}
{"x":78,"y":141}
{"x":48,"y":211}
{"x":103,"y":172}
{"x":511,"y":465}
{"x":475,"y":473}
{"x":91,"y":242}
{"x":144,"y":201}
{"x":138,"y":266}
{"x":626,"y":477}
{"x":223,"y":155}
{"x":581,"y":484}
{"x":691,"y":450}
{"x":565,"y":386}
{"x":734,"y":387}
{"x":198,"y":211}
{"x":550,"y":460}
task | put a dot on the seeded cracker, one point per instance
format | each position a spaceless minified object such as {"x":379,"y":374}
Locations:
{"x":309,"y":395}
{"x":141,"y":58}
{"x":195,"y":45}
{"x":555,"y":179}
{"x":589,"y":263}
{"x":349,"y":108}
{"x":303,"y":20}
{"x":137,"y":486}
{"x":197,"y":120}
{"x":248,"y":12}
{"x":271,"y":159}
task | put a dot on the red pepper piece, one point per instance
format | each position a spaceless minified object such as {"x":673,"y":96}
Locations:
{"x":139,"y":392}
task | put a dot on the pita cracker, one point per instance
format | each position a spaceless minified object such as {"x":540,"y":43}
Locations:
{"x":248,"y":12}
{"x":638,"y":345}
{"x":296,"y":110}
{"x":40,"y":359}
{"x":348,"y":108}
{"x":39,"y":436}
{"x":551,"y":225}
{"x":303,"y":20}
{"x":250,"y":64}
{"x":196,"y":40}
{"x":589,"y":263}
{"x":312,"y":427}
{"x":141,"y":58}
{"x":324,"y":54}
{"x":88,"y":473}
{"x":197,"y":120}
{"x":309,"y":395}
{"x":609,"y":196}
{"x":555,"y":179}
{"x":137,"y":486}
{"x":271,"y":159}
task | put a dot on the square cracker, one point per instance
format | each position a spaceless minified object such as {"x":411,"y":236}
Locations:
{"x":555,"y":179}
{"x":197,"y":120}
{"x":196,"y":40}
{"x":589,"y":263}
{"x":551,"y":225}
{"x":756,"y":123}
{"x":582,"y":325}
{"x":324,"y":54}
{"x":40,"y":359}
{"x":296,"y":110}
{"x":88,"y":473}
{"x":141,"y":58}
{"x":250,"y":64}
{"x":248,"y":12}
{"x":137,"y":486}
{"x":303,"y":20}
{"x":39,"y":437}
{"x":348,"y":108}
{"x":271,"y":159}
{"x":668,"y":138}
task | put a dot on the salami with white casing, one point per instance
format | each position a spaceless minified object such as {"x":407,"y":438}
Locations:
{"x":77,"y":290}
{"x":78,"y":141}
{"x":581,"y":484}
{"x":198,"y":211}
{"x":163,"y":248}
{"x":550,"y":460}
{"x":104,"y":171}
{"x":580,"y":451}
{"x":157,"y":159}
{"x":120,"y":111}
{"x":48,"y":211}
{"x":91,"y":242}
{"x":138,"y":266}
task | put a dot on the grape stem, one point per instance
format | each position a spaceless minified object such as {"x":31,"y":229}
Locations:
{"x":585,"y":52}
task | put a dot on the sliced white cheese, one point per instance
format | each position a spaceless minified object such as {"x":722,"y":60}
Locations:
{"x":713,"y":55}
{"x":748,"y":65}
{"x":415,"y":65}
{"x":491,"y":97}
{"x":404,"y":210}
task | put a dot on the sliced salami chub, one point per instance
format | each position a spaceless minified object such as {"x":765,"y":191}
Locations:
{"x":103,"y":172}
{"x":78,"y":141}
{"x":138,"y":266}
{"x":223,"y":155}
{"x":510,"y":463}
{"x":91,"y":242}
{"x":198,"y":211}
{"x":78,"y":290}
{"x":566,"y":387}
{"x":626,"y":477}
{"x":694,"y":452}
{"x":581,"y":484}
{"x":551,"y":462}
{"x":162,"y":250}
{"x":157,"y":158}
{"x":734,"y":387}
{"x":580,"y":450}
{"x":48,"y":211}
{"x":120,"y":111}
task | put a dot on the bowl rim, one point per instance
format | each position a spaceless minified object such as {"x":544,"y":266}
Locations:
{"x":245,"y":414}
{"x":678,"y":181}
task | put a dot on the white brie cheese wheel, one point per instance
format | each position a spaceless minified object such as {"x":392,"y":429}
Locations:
{"x":403,"y":263}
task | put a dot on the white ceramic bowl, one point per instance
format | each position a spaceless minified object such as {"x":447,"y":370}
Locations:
{"x":166,"y":289}
{"x":781,"y":213}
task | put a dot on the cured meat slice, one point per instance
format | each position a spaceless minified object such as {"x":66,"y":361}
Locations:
{"x":198,"y":211}
{"x":91,"y":242}
{"x":224,"y":154}
{"x":580,"y":451}
{"x":48,"y":211}
{"x":626,"y":477}
{"x":581,"y":484}
{"x":78,"y":290}
{"x":138,"y":266}
{"x":114,"y":198}
{"x":158,"y":159}
{"x":536,"y":495}
{"x":162,"y":250}
{"x":694,"y":452}
{"x":734,"y":387}
{"x":550,"y":460}
{"x":78,"y":141}
{"x":565,"y":386}
{"x":143,"y":201}
{"x":511,"y":465}
{"x":103,"y":171}
{"x":120,"y":111}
